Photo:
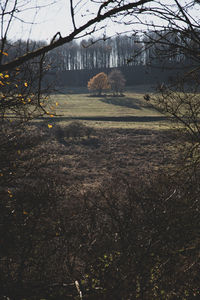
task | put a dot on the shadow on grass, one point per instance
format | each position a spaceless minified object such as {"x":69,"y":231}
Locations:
{"x":110,"y":119}
{"x":121,"y":101}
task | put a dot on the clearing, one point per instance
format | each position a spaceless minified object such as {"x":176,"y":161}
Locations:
{"x":130,"y":111}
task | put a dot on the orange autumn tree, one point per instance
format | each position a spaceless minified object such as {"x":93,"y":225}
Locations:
{"x":98,"y":83}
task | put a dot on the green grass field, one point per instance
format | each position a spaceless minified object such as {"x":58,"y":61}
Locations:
{"x":130,"y":111}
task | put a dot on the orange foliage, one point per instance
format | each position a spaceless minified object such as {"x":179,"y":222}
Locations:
{"x":99,"y":83}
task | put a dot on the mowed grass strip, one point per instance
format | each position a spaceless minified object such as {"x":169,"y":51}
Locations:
{"x":83,"y":105}
{"x":123,"y":112}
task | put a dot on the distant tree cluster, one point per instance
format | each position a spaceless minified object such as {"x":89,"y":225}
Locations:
{"x":110,"y":53}
{"x":115,"y":81}
{"x":90,"y":54}
{"x":150,"y":48}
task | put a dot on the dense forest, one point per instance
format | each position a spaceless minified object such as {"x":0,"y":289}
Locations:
{"x":116,"y":52}
{"x":73,"y":64}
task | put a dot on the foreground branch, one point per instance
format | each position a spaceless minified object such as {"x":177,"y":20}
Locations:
{"x":63,"y":40}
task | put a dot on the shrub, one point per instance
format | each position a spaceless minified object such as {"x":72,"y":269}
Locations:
{"x":77,"y":130}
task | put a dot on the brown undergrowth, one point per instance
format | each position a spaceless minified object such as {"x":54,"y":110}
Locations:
{"x":96,"y":214}
{"x":87,"y":159}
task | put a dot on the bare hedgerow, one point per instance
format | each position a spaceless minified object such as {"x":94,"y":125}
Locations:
{"x":31,"y":194}
{"x":145,"y":240}
{"x":123,"y":239}
{"x":29,"y":201}
{"x":40,"y":227}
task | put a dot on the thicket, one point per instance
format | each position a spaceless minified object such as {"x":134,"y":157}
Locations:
{"x":125,"y":239}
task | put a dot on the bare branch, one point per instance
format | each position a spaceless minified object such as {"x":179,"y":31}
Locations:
{"x":61,"y":41}
{"x":72,"y":14}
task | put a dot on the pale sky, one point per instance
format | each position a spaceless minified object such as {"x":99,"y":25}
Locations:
{"x":56,"y":17}
{"x":47,"y":21}
{"x":50,"y":19}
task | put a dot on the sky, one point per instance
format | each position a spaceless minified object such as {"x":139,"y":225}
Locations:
{"x":55,"y":17}
{"x":46,"y":21}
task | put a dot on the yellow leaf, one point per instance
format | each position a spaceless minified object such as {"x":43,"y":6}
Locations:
{"x":50,"y":126}
{"x":4,"y":53}
{"x":16,"y":85}
{"x":1,"y":82}
{"x":1,"y":75}
{"x":6,"y":76}
{"x":51,"y":116}
{"x":57,"y":104}
{"x":10,"y":194}
{"x":26,"y":84}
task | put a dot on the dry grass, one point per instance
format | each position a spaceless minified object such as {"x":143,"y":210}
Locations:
{"x":131,"y":111}
{"x":84,"y":162}
{"x":130,"y":137}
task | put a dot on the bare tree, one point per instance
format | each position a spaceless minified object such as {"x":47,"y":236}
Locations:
{"x":105,"y":10}
{"x":117,"y":82}
{"x":175,"y":44}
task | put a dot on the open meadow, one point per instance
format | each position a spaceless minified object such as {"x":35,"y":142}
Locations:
{"x":95,"y":138}
{"x":130,"y":111}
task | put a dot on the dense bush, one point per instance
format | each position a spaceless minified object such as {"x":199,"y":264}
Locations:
{"x":75,"y":130}
{"x":145,"y":242}
{"x":125,"y":239}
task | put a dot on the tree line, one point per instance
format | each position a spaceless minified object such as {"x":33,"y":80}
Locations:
{"x":115,"y":52}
